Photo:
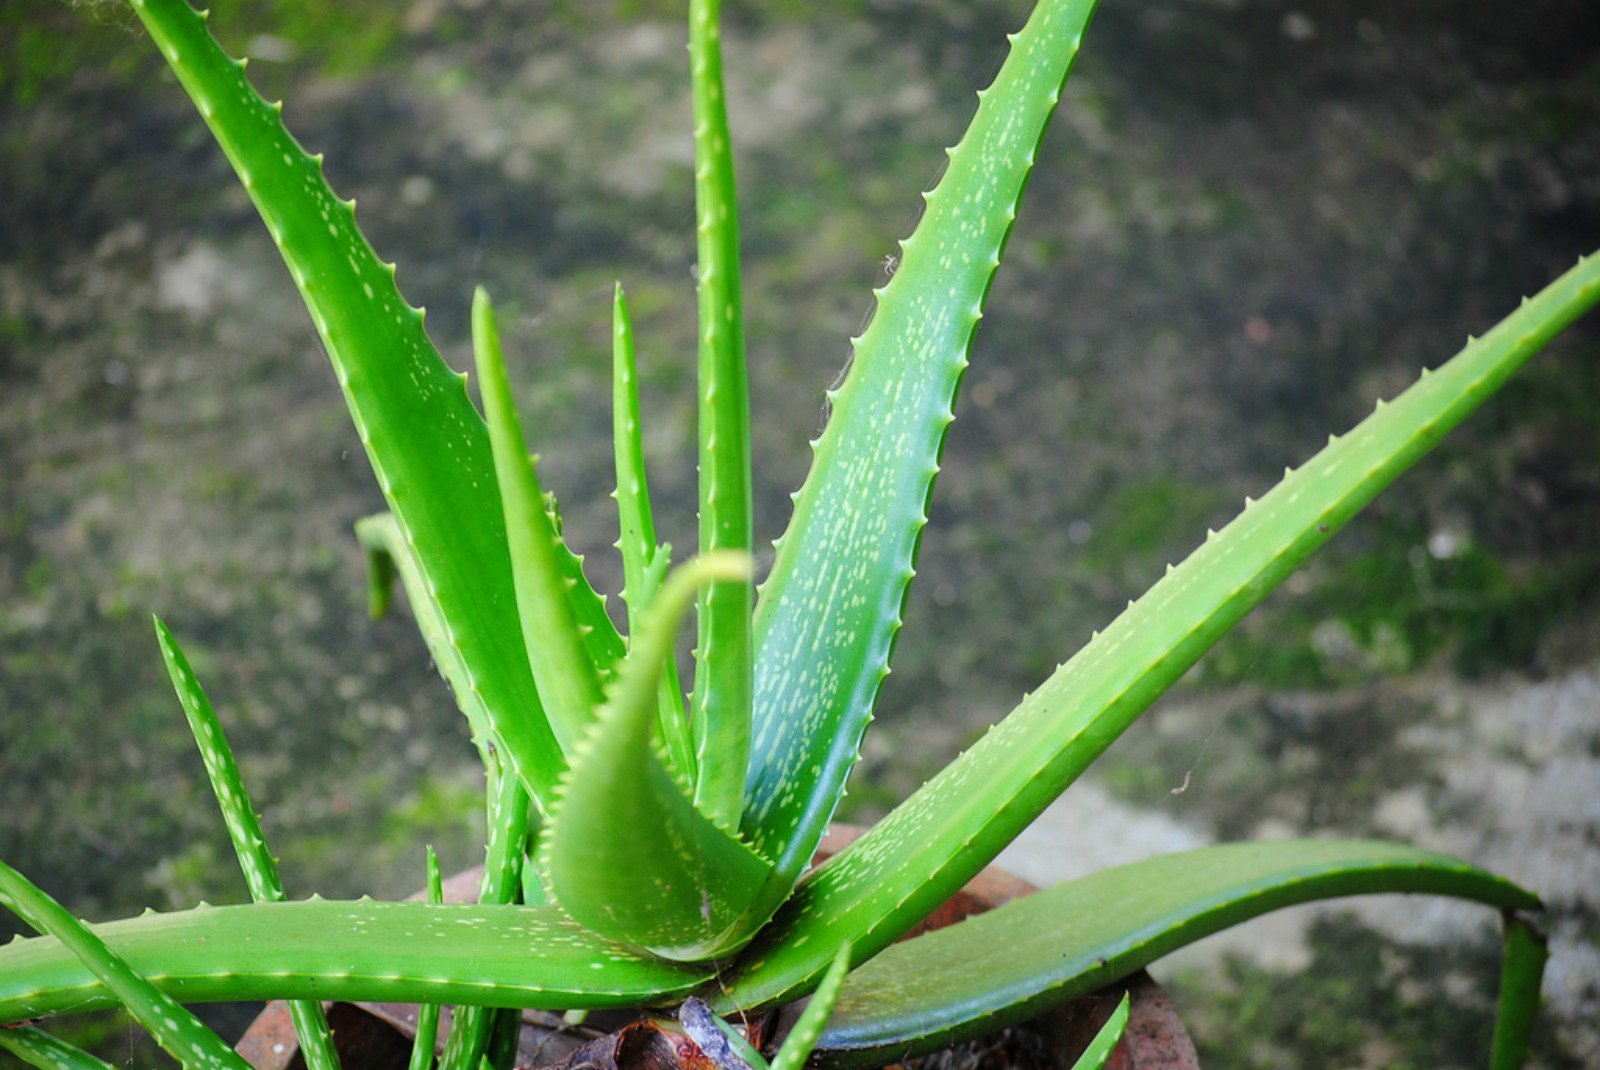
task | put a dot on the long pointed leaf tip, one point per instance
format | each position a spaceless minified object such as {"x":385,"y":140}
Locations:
{"x":563,"y":670}
{"x":643,"y":562}
{"x":724,"y":677}
{"x":244,"y":829}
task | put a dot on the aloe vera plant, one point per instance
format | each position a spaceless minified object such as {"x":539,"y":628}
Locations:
{"x":651,"y":850}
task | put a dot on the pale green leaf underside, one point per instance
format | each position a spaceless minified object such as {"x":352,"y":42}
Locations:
{"x":955,"y":824}
{"x":1105,"y":1041}
{"x":366,"y":951}
{"x":38,"y":1048}
{"x":629,"y":854}
{"x":174,"y":1027}
{"x":244,"y":829}
{"x":828,"y":612}
{"x":1042,"y":950}
{"x":428,"y":447}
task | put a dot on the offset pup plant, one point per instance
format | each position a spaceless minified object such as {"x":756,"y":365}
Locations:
{"x":651,"y":854}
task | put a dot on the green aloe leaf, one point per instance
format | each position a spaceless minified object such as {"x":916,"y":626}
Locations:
{"x":1522,"y":970}
{"x":566,"y":676}
{"x":501,"y":884}
{"x":427,"y":444}
{"x":179,"y":1032}
{"x":426,"y":1040}
{"x":1033,"y":953}
{"x":363,"y":951}
{"x":797,"y":1046}
{"x":951,"y":827}
{"x":244,"y":829}
{"x":1105,"y":1041}
{"x":722,"y":681}
{"x":644,"y":561}
{"x":829,"y":610}
{"x":38,"y":1048}
{"x":628,"y":854}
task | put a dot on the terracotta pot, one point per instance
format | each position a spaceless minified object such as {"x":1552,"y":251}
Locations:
{"x":377,"y":1036}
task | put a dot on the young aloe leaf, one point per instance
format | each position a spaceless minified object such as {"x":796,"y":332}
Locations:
{"x":180,"y":1033}
{"x":628,"y":854}
{"x":426,"y":1040}
{"x":366,"y":951}
{"x":567,"y":678}
{"x":38,"y":1048}
{"x":502,"y":883}
{"x":244,"y":829}
{"x":1521,"y":972}
{"x":829,"y":610}
{"x":722,"y":681}
{"x":387,"y":556}
{"x":644,"y":562}
{"x":803,"y":1037}
{"x":951,"y":827}
{"x":427,"y":445}
{"x":1033,"y":953}
{"x":1100,"y":1048}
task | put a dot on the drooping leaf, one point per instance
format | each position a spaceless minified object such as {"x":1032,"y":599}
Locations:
{"x":828,"y":612}
{"x":802,"y":1038}
{"x":38,"y":1048}
{"x":244,"y":829}
{"x":428,"y":447}
{"x":180,"y":1033}
{"x":501,"y":884}
{"x":366,"y":951}
{"x":426,"y":1039}
{"x":567,"y":678}
{"x":628,"y":854}
{"x":644,"y":561}
{"x":722,"y":680}
{"x":951,"y":827}
{"x":1018,"y":960}
{"x":1522,"y":958}
{"x":1105,"y":1041}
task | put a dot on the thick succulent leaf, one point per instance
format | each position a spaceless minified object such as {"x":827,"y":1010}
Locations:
{"x":722,"y":680}
{"x":180,"y":1033}
{"x":427,"y":445}
{"x":951,"y":827}
{"x":38,"y":1048}
{"x":502,"y":882}
{"x":643,"y":560}
{"x":1521,"y":972}
{"x":1014,"y":962}
{"x":1100,"y":1048}
{"x":803,"y":1037}
{"x":567,"y":678}
{"x":829,"y":610}
{"x":628,"y":854}
{"x":244,"y":829}
{"x":364,"y":951}
{"x":426,"y":1038}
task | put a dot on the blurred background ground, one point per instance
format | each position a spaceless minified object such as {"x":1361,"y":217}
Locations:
{"x":1251,"y":219}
